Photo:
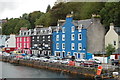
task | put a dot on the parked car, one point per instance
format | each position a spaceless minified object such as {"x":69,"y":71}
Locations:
{"x":115,"y":62}
{"x":6,"y":54}
{"x":26,"y":57}
{"x":43,"y":59}
{"x":89,"y":64}
{"x":96,"y":60}
{"x":53,"y":59}
{"x":65,"y":61}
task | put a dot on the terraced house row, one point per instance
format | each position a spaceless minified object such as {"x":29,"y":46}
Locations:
{"x":79,"y":38}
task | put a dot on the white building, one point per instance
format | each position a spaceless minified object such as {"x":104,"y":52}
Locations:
{"x":113,"y":37}
{"x":11,"y":41}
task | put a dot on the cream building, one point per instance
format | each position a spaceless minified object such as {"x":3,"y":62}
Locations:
{"x":113,"y":37}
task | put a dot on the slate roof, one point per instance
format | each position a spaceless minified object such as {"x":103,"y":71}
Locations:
{"x":85,"y":23}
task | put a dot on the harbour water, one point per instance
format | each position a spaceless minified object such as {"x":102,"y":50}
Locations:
{"x":8,"y":70}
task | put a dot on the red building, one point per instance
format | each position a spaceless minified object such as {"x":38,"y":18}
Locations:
{"x":23,"y":41}
{"x":23,"y":44}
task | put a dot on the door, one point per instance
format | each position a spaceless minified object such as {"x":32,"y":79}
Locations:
{"x":63,"y":54}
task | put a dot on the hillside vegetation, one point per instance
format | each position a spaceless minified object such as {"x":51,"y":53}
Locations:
{"x":109,"y":12}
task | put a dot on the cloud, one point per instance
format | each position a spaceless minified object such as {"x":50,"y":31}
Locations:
{"x":15,"y":8}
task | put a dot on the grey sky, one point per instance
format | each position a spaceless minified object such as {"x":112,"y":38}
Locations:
{"x":15,"y":8}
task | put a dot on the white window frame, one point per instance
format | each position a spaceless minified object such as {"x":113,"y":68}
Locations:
{"x":79,"y":36}
{"x":63,"y":37}
{"x":73,"y":29}
{"x":24,"y":39}
{"x":57,"y":45}
{"x":79,"y":30}
{"x":63,"y":45}
{"x":20,"y":39}
{"x":72,"y":45}
{"x":79,"y":45}
{"x":57,"y":37}
{"x":27,"y":38}
{"x":48,"y":36}
{"x":72,"y":38}
{"x":17,"y":39}
{"x":63,"y":30}
{"x":37,"y":37}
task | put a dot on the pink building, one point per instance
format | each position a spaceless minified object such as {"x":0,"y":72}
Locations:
{"x":23,"y":41}
{"x":23,"y":44}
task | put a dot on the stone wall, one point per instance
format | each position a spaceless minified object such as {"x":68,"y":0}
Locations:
{"x":88,"y":72}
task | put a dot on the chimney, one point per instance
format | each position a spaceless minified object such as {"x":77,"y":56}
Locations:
{"x":96,"y":18}
{"x":111,"y":26}
{"x":69,"y":18}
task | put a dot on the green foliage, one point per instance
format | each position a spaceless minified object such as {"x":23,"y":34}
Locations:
{"x":109,"y":49}
{"x":9,"y":27}
{"x":22,"y":23}
{"x":111,"y":13}
{"x":33,"y":16}
{"x":44,"y":20}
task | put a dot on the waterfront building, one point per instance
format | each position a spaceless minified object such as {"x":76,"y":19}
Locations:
{"x":95,"y":34}
{"x":10,"y":41}
{"x":2,"y":40}
{"x":113,"y":37}
{"x":69,"y":39}
{"x":23,"y":40}
{"x":41,"y":41}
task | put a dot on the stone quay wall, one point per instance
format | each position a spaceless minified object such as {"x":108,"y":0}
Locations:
{"x":88,"y":72}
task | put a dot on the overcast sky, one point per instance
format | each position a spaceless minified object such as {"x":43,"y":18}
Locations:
{"x":15,"y":8}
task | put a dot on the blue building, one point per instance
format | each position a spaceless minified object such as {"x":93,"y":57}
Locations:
{"x":70,"y":39}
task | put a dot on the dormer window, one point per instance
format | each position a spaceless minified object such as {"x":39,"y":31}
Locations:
{"x":41,"y":31}
{"x":72,"y":28}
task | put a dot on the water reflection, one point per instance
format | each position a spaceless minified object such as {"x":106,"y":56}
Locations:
{"x":15,"y":71}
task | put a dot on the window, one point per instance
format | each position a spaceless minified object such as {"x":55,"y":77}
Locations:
{"x":43,"y":36}
{"x":72,"y":46}
{"x":79,"y":46}
{"x":41,"y":31}
{"x":63,"y":45}
{"x":27,"y":45}
{"x":57,"y":46}
{"x":37,"y":37}
{"x":114,"y":43}
{"x":72,"y":37}
{"x":20,"y":39}
{"x":17,"y":39}
{"x":79,"y":36}
{"x":24,"y":39}
{"x":79,"y":30}
{"x":72,"y":28}
{"x":57,"y":37}
{"x":28,"y":39}
{"x":24,"y":45}
{"x":63,"y":37}
{"x":48,"y":36}
{"x":33,"y":37}
{"x":63,"y":29}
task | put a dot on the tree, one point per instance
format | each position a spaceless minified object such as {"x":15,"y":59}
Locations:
{"x":25,"y":16}
{"x":44,"y":20}
{"x":111,"y":13}
{"x":109,"y":49}
{"x":33,"y":17}
{"x":48,"y":8}
{"x":22,"y":23}
{"x":9,"y":27}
